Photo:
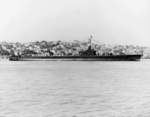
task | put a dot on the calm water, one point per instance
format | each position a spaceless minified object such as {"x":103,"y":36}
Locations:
{"x":74,"y":89}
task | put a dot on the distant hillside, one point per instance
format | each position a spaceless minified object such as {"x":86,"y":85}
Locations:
{"x":69,"y":48}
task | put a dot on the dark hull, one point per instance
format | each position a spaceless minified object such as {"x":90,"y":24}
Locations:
{"x":79,"y":58}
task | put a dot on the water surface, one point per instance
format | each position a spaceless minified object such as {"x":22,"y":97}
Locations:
{"x":74,"y":89}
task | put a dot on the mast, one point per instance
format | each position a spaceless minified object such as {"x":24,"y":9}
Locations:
{"x":90,"y":40}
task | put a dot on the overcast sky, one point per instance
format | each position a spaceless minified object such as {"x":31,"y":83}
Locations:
{"x":109,"y":21}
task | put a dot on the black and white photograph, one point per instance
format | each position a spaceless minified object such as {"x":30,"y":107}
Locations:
{"x":74,"y":58}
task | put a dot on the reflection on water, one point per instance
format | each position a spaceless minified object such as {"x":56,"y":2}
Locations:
{"x":74,"y":89}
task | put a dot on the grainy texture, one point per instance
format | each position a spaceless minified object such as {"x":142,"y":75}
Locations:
{"x":74,"y":89}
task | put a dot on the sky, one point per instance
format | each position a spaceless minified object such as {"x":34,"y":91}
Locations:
{"x":109,"y":21}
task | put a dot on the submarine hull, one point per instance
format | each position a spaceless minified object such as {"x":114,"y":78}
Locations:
{"x":78,"y":58}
